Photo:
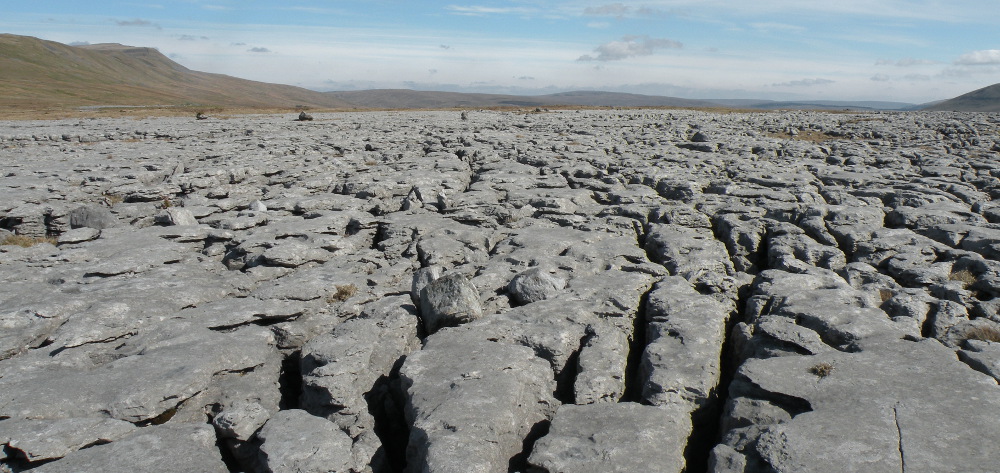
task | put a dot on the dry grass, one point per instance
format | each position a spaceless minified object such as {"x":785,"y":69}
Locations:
{"x":985,"y":333}
{"x":822,"y":370}
{"x":964,"y":276}
{"x":885,"y":294}
{"x":804,"y":135}
{"x":343,"y":293}
{"x":26,"y":241}
{"x":112,"y":199}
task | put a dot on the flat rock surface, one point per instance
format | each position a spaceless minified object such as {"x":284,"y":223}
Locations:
{"x":501,"y":291}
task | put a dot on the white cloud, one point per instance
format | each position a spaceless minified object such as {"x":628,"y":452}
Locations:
{"x":986,"y":57}
{"x":259,"y":50}
{"x":880,"y":78}
{"x":630,"y":46}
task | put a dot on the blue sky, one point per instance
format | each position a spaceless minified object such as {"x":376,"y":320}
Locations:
{"x":910,"y":51}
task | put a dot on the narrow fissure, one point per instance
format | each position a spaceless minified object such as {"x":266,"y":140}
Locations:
{"x":566,"y":381}
{"x":385,"y":404}
{"x":290,"y":381}
{"x":633,"y":383}
{"x":707,"y":420}
{"x":899,"y":435}
{"x":519,"y":463}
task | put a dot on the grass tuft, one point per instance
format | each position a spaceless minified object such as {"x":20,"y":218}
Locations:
{"x":964,"y":276}
{"x":822,"y":370}
{"x":343,"y":293}
{"x":985,"y":333}
{"x":25,"y":241}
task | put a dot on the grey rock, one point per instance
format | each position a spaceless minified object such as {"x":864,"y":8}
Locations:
{"x":241,"y":420}
{"x":618,"y":437}
{"x":692,"y":253}
{"x":134,"y":388}
{"x":340,"y":367}
{"x":148,"y":450}
{"x":856,"y":421}
{"x":534,"y":285}
{"x":36,"y":439}
{"x":447,"y":385}
{"x":685,"y":331}
{"x":176,"y":216}
{"x":421,"y":278}
{"x":257,"y":206}
{"x":448,"y":301}
{"x":982,"y":356}
{"x":295,"y":441}
{"x":79,"y":235}
{"x":92,"y":216}
{"x":601,"y":367}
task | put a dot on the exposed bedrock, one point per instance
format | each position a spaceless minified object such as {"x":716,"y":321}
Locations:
{"x":497,"y":291}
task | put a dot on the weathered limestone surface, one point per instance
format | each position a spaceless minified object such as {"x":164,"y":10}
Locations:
{"x":615,"y":290}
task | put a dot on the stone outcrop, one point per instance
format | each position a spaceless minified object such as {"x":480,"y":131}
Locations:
{"x":556,"y":291}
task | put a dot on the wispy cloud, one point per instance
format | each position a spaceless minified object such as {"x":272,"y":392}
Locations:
{"x":478,"y":10}
{"x":258,"y":50}
{"x":986,"y":57}
{"x":804,"y":83}
{"x":880,"y":78}
{"x":314,"y":10}
{"x":630,"y":46}
{"x":187,"y":37}
{"x":616,"y":10}
{"x":905,"y":62}
{"x":770,"y":27}
{"x":137,"y":22}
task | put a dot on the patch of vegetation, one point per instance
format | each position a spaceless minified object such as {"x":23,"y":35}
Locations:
{"x":343,"y":293}
{"x":822,"y":370}
{"x":885,"y":294}
{"x":112,"y":199}
{"x":804,"y":135}
{"x":26,"y":241}
{"x":985,"y":333}
{"x":964,"y":276}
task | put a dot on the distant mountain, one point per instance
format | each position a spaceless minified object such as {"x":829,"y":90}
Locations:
{"x":408,"y":99}
{"x":815,"y":104}
{"x":37,"y":74}
{"x":986,"y":99}
{"x":615,"y":99}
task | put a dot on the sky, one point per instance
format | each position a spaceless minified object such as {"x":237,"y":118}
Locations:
{"x":912,"y":51}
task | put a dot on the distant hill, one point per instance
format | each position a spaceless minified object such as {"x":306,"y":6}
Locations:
{"x":986,"y":99}
{"x":404,"y":99}
{"x":40,"y":74}
{"x":815,"y":104}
